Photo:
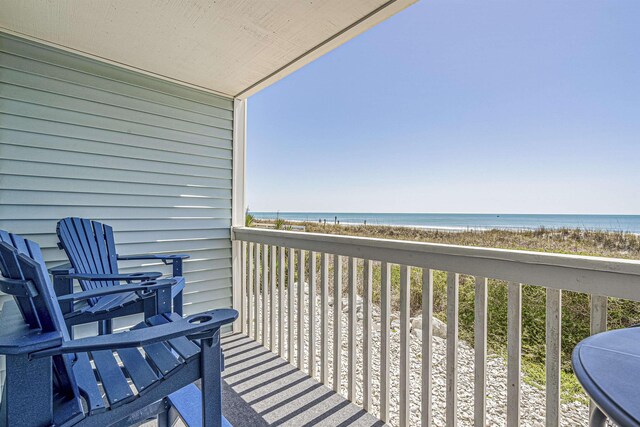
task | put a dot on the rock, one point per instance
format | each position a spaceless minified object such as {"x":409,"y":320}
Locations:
{"x":439,"y":328}
{"x":416,"y":322}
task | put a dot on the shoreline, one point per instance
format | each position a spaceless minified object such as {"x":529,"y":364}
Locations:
{"x":449,"y":228}
{"x":453,"y":229}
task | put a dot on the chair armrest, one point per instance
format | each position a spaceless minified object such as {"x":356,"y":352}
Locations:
{"x":167,"y":259}
{"x":66,"y":268}
{"x":103,"y":277}
{"x":29,"y":341}
{"x":18,"y":288}
{"x":150,"y":286}
{"x":17,"y":338}
{"x":198,"y":325}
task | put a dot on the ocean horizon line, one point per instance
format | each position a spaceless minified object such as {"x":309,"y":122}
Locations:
{"x":460,"y":222}
{"x":438,"y":213}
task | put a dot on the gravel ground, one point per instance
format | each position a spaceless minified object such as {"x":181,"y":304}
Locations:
{"x":533,"y":399}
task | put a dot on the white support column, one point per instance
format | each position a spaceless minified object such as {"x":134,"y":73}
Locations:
{"x":238,"y":203}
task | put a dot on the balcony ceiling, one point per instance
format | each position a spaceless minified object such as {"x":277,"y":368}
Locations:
{"x":232,"y":47}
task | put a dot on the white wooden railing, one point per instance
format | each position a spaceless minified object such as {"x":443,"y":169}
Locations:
{"x":599,"y":277}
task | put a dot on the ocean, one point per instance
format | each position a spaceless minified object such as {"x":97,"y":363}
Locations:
{"x":460,"y":222}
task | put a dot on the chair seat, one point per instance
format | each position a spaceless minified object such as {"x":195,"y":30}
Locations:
{"x":112,"y":303}
{"x":105,"y":304}
{"x":108,"y":379}
{"x":608,"y":367}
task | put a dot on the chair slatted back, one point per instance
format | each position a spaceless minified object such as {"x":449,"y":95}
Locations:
{"x":91,"y":249}
{"x":21,"y":259}
{"x":25,"y":304}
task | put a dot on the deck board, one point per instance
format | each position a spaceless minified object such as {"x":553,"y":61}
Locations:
{"x":262,"y":389}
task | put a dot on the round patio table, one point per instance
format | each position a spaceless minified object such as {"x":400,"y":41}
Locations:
{"x":608,"y":368}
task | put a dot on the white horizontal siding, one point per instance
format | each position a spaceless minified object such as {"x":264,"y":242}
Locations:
{"x":151,"y":158}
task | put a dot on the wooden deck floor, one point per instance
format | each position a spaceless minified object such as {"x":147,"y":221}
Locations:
{"x":261,"y":389}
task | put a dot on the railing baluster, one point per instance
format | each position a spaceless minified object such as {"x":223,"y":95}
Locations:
{"x":598,"y":314}
{"x":405,"y":288}
{"x":598,"y":322}
{"x":272,"y":298}
{"x":427,"y":334}
{"x":243,"y":288}
{"x":351,"y":372}
{"x":256,"y":308}
{"x":281,"y":319}
{"x":385,"y":308}
{"x":312,"y":314}
{"x":366,"y":335}
{"x":324,"y":318}
{"x":452,"y":349}
{"x":250,"y":289}
{"x":553,"y":360}
{"x":480,"y":344}
{"x":337,"y":322}
{"x":291,"y":292}
{"x":265,"y":293}
{"x":301,"y":256}
{"x":514,"y":335}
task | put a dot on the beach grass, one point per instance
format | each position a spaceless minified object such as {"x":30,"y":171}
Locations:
{"x":575,"y":306}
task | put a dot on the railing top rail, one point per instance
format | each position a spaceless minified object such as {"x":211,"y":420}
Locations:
{"x":605,"y":276}
{"x":615,"y":265}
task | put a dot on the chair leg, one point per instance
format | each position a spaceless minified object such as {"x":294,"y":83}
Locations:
{"x":105,"y":327}
{"x":598,"y":418}
{"x":163,"y":419}
{"x":177,"y":300}
{"x":63,"y":286}
{"x":27,"y":398}
{"x":211,"y":381}
{"x":177,"y":304}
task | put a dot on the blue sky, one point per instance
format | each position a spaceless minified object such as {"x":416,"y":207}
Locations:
{"x":460,"y":106}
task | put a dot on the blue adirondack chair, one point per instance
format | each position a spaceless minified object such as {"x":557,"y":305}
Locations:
{"x":145,"y":372}
{"x":90,"y":247}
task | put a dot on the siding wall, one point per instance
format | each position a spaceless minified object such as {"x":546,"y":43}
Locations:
{"x":151,"y":158}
